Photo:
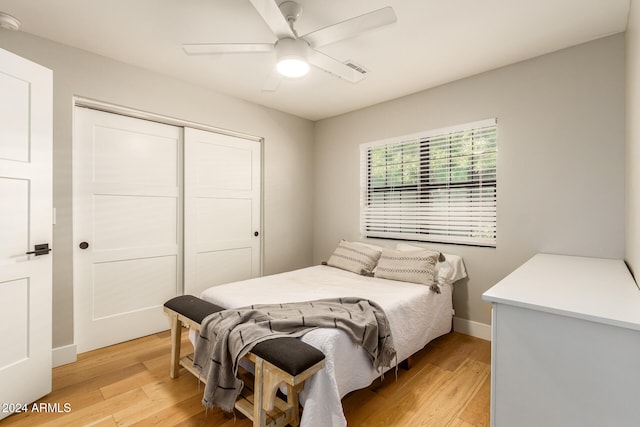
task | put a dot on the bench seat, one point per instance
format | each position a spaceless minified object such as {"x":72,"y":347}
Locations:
{"x":278,"y":360}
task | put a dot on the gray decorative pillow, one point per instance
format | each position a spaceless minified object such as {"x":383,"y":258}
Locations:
{"x":354,"y":257}
{"x":408,"y":266}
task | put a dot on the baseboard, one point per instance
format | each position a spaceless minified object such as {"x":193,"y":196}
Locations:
{"x":63,"y":355}
{"x":475,"y":329}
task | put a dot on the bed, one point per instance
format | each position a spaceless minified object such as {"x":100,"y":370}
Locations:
{"x":417,"y":314}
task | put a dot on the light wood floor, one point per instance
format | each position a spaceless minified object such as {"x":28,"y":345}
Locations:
{"x":128,"y":384}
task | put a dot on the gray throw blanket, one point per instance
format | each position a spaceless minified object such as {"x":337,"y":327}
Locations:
{"x":228,"y":335}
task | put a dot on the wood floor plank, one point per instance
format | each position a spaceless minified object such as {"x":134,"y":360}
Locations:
{"x":459,"y":423}
{"x":215,"y":417}
{"x":476,"y":410}
{"x":128,"y":384}
{"x":417,"y":378}
{"x":177,"y":414}
{"x":107,"y":421}
{"x":450,"y":352}
{"x":399,"y":408}
{"x":451,"y":397}
{"x":133,"y":381}
{"x":359,"y":406}
{"x":162,"y":394}
{"x":99,"y":411}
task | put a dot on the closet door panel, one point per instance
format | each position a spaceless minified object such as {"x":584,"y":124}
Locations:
{"x":222,"y":209}
{"x":224,"y":167}
{"x":223,"y":266}
{"x":223,"y":219}
{"x":127,"y":226}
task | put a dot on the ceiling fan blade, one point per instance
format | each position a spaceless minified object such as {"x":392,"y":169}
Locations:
{"x":333,"y":66}
{"x":351,"y":27}
{"x":213,"y":48}
{"x":272,"y":15}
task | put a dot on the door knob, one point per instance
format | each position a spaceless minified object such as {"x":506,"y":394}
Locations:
{"x":83,"y":245}
{"x":255,"y":233}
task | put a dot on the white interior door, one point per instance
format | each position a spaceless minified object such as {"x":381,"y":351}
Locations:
{"x":222,"y":209}
{"x":25,"y":203}
{"x":127,"y":226}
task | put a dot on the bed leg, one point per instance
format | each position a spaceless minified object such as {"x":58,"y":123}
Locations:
{"x":407,"y":363}
{"x":176,"y":338}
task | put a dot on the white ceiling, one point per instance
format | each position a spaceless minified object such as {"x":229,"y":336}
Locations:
{"x":432,"y":43}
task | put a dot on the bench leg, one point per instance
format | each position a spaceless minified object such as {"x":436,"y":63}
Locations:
{"x":270,"y":383}
{"x":267,"y":381}
{"x":259,"y":415}
{"x":292,"y":400}
{"x":176,"y":338}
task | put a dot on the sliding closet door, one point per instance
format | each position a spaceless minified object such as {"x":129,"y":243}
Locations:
{"x":127,"y":226}
{"x":222,"y":210}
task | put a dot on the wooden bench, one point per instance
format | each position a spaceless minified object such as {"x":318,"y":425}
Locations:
{"x":279,"y":360}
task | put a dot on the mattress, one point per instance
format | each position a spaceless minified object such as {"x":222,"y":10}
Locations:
{"x":416,"y":316}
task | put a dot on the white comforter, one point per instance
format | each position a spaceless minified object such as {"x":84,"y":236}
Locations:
{"x":416,"y":316}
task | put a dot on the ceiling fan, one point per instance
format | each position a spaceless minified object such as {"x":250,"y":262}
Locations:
{"x":294,"y":53}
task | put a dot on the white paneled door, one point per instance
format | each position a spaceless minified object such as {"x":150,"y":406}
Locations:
{"x":127,"y":226}
{"x":222,"y":209}
{"x":25,"y":203}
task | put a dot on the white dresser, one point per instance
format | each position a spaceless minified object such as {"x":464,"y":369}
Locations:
{"x":565,"y":344}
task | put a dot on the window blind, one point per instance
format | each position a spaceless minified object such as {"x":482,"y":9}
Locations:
{"x":436,"y":186}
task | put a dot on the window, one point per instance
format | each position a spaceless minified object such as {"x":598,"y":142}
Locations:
{"x":435,"y":186}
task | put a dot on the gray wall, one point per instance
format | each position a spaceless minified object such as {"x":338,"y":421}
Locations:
{"x":288,"y":150}
{"x":561,"y":133}
{"x":632,"y":244}
{"x":560,"y":163}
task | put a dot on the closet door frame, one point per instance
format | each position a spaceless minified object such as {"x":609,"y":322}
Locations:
{"x":79,"y":101}
{"x":133,"y":113}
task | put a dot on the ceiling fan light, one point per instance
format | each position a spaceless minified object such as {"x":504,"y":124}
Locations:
{"x":292,"y":67}
{"x":292,"y":57}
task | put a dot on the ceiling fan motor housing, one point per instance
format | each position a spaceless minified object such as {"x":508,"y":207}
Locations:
{"x":291,"y":57}
{"x":288,"y":47}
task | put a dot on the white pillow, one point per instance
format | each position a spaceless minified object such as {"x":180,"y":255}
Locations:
{"x":354,"y":257}
{"x":370,"y":245}
{"x":448,"y":271}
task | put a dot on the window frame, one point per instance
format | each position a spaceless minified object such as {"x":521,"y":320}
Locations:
{"x":424,"y":187}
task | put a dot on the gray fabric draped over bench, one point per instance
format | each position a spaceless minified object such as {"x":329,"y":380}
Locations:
{"x":226,"y":336}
